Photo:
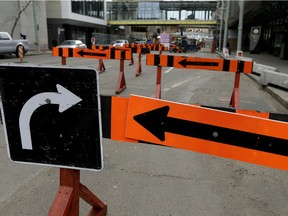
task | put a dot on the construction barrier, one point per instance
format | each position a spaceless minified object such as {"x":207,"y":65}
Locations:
{"x":245,"y":135}
{"x":184,"y":62}
{"x":236,"y":66}
{"x":112,"y":53}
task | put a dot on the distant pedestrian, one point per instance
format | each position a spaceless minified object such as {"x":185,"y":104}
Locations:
{"x":54,"y":42}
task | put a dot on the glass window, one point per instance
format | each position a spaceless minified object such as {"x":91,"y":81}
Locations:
{"x":93,"y":8}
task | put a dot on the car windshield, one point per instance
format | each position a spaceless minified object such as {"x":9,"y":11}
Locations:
{"x":68,"y":43}
{"x":120,"y":41}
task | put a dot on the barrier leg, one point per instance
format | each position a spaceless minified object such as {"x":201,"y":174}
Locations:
{"x":62,"y":201}
{"x":158,"y":83}
{"x":132,"y":61}
{"x":66,"y":202}
{"x":139,"y":69}
{"x":98,"y":207}
{"x":121,"y":84}
{"x":63,"y":60}
{"x":67,"y":198}
{"x":101,"y":66}
{"x":234,"y":101}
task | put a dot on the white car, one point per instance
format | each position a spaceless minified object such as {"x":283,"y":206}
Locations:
{"x":72,"y":44}
{"x":120,"y":43}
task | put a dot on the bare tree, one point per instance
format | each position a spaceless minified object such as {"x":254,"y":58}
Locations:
{"x":20,"y":11}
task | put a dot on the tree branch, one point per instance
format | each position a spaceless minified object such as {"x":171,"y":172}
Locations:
{"x":19,"y":15}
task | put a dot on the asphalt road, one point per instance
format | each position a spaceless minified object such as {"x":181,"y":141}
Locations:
{"x":144,"y":179}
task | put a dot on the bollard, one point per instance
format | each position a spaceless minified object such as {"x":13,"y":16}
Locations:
{"x":21,"y":53}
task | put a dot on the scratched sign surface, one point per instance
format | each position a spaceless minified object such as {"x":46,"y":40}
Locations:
{"x":51,"y":115}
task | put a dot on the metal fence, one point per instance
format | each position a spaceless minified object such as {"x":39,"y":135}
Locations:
{"x":106,"y":39}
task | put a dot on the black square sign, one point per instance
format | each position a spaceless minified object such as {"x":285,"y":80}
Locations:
{"x":51,"y":115}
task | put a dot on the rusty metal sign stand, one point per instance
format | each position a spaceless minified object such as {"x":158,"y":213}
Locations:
{"x":66,"y":202}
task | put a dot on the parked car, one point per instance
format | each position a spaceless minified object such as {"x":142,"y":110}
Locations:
{"x":120,"y":43}
{"x":72,"y":44}
{"x":10,"y":46}
{"x":140,"y":41}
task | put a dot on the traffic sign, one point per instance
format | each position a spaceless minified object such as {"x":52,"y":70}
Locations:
{"x":51,"y":115}
{"x":232,"y":65}
{"x":244,"y":136}
{"x":113,"y":53}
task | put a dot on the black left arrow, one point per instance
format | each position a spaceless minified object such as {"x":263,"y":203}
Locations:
{"x":185,"y":63}
{"x":83,"y":53}
{"x":157,"y":122}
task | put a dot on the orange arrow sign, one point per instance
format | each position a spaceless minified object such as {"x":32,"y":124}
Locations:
{"x":121,"y":54}
{"x":231,"y":135}
{"x":89,"y":53}
{"x":185,"y":62}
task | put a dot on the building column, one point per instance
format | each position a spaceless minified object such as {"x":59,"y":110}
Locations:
{"x":240,"y":25}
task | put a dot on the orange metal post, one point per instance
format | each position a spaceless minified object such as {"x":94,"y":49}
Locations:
{"x":139,"y":69}
{"x":132,"y":60}
{"x":158,"y":83}
{"x":121,"y":84}
{"x":101,"y":66}
{"x":235,"y":101}
{"x":63,"y":59}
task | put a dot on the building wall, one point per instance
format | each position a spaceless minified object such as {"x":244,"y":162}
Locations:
{"x":75,"y":26}
{"x":62,"y":10}
{"x":34,"y":27}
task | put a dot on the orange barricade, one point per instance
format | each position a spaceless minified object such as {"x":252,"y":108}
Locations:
{"x":245,"y":135}
{"x":184,"y":62}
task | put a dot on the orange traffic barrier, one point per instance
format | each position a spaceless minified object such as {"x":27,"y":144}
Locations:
{"x":93,"y":53}
{"x":111,"y":53}
{"x":239,"y":135}
{"x":185,"y":62}
{"x":245,"y":135}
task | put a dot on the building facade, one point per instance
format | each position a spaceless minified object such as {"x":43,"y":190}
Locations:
{"x":25,"y":18}
{"x":41,"y":21}
{"x":75,"y":19}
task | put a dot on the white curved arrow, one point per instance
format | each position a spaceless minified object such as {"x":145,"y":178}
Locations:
{"x":63,"y":97}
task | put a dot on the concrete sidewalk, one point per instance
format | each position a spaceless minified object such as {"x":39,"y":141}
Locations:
{"x":270,"y":60}
{"x":280,"y":94}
